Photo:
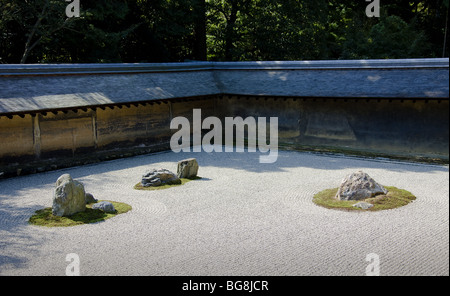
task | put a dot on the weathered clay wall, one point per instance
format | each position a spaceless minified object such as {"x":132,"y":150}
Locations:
{"x":63,"y":133}
{"x":49,"y":141}
{"x":411,"y":129}
{"x":149,"y":124}
{"x":16,"y":136}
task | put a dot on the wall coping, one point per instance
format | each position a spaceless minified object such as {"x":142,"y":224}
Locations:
{"x":112,"y":68}
{"x":32,"y":88}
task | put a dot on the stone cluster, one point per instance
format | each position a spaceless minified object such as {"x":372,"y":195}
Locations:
{"x":70,"y":197}
{"x":187,"y":168}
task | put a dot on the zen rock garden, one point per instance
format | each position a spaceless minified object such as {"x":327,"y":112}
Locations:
{"x":72,"y":205}
{"x":70,"y":196}
{"x":357,"y":191}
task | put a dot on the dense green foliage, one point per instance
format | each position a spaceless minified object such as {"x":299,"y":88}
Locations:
{"x":38,"y":31}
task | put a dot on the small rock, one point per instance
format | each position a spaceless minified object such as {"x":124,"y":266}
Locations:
{"x":359,"y":186}
{"x":90,"y":198}
{"x":69,"y":197}
{"x":105,"y":206}
{"x":363,"y":205}
{"x":187,"y":168}
{"x":159,"y":177}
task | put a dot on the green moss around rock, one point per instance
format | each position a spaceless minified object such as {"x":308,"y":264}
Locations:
{"x":394,"y":199}
{"x":138,"y":186}
{"x":45,"y":217}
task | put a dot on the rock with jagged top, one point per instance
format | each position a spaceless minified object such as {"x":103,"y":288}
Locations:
{"x":158,"y":177}
{"x":359,"y":186}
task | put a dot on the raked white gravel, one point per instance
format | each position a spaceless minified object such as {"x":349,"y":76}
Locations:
{"x":242,"y":218}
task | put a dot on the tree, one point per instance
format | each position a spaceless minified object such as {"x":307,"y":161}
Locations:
{"x":177,"y":26}
{"x":404,"y":30}
{"x":45,"y":25}
{"x":199,"y":50}
{"x":32,"y":21}
{"x":38,"y":31}
{"x":97,"y":37}
{"x":393,"y":38}
{"x":266,"y":29}
{"x":223,"y":17}
{"x":48,"y":35}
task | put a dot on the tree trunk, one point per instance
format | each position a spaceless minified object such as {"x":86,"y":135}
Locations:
{"x":28,"y":45}
{"x":445,"y":35}
{"x":229,"y":34}
{"x":200,"y":31}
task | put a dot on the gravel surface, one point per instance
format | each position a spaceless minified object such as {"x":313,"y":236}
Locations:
{"x":242,"y":218}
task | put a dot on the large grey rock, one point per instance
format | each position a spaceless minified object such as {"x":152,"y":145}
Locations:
{"x":105,"y":206}
{"x":69,"y":197}
{"x":187,"y":168}
{"x":158,"y":177}
{"x":359,"y":186}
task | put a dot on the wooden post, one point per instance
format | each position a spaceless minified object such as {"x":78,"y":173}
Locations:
{"x":36,"y":136}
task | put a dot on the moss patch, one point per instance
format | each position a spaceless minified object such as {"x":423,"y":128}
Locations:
{"x":394,"y":199}
{"x":45,"y":217}
{"x":138,"y":186}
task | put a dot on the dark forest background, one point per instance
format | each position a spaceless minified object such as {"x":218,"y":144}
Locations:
{"x":129,"y":31}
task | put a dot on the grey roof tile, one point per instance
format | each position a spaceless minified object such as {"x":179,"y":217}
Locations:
{"x":30,"y":88}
